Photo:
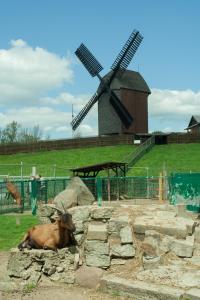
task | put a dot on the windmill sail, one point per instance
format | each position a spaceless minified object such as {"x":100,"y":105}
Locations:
{"x":77,"y":120}
{"x":88,"y":60}
{"x":128,"y":51}
{"x":120,"y":109}
{"x":94,"y":68}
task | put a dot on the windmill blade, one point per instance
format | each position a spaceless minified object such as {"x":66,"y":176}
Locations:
{"x":126,"y":54}
{"x":88,"y":60}
{"x":120,"y":109}
{"x":77,"y":120}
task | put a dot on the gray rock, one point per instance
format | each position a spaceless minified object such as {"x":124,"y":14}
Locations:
{"x":197,"y":234}
{"x":117,"y":223}
{"x":97,"y":247}
{"x":183,"y":248}
{"x":117,"y":261}
{"x":79,"y":239}
{"x":8,"y":286}
{"x":76,"y":193}
{"x":80,"y":213}
{"x":88,"y":277}
{"x":192,"y":294}
{"x":79,"y":227}
{"x":102,"y":213}
{"x":126,"y":235}
{"x":125,"y":251}
{"x":165,"y":224}
{"x":150,"y":263}
{"x":101,"y":261}
{"x":66,"y":199}
{"x":97,"y":232}
{"x":45,"y":210}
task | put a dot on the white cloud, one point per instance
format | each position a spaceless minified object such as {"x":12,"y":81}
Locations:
{"x":52,"y":121}
{"x":27,"y":73}
{"x":171,"y":110}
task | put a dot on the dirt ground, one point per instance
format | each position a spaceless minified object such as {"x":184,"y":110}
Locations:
{"x":53,"y":292}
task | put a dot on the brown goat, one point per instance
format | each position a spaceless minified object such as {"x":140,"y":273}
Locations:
{"x":50,"y":236}
{"x":13,"y":191}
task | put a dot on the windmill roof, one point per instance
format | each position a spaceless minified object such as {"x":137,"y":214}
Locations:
{"x":128,"y":79}
{"x":194,"y":121}
{"x":197,"y":118}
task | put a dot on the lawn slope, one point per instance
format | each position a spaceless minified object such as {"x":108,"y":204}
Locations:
{"x":63,"y":159}
{"x":174,"y":157}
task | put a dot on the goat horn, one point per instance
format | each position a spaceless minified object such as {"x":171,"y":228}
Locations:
{"x":63,"y":207}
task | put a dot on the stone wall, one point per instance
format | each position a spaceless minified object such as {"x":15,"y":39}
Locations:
{"x":109,"y":237}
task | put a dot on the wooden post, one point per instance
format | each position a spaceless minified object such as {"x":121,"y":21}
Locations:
{"x":160,"y":188}
{"x":108,"y":186}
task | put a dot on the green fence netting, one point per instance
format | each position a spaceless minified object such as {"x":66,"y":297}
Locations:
{"x":106,"y":189}
{"x":185,"y":189}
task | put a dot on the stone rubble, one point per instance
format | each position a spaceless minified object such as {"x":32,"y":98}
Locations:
{"x":165,"y":245}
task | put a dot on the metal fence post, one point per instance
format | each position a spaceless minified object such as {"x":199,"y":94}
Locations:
{"x":22,"y":196}
{"x":33,"y":196}
{"x":99,"y":190}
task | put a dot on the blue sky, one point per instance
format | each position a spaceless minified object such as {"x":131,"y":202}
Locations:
{"x":40,"y":77}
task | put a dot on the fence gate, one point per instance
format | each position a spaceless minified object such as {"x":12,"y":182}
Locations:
{"x":185,"y":189}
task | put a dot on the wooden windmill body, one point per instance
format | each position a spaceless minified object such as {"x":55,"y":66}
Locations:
{"x":122,"y":94}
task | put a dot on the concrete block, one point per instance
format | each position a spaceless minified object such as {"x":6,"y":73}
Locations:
{"x":139,"y":290}
{"x":192,"y":294}
{"x":173,"y":226}
{"x":197,"y":234}
{"x":97,"y":232}
{"x":183,"y":248}
{"x":126,"y":235}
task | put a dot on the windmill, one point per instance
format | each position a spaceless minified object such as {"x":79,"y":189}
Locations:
{"x":118,"y":70}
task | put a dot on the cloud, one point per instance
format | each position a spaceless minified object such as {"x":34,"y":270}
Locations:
{"x":52,"y":121}
{"x":27,"y":73}
{"x":171,"y":110}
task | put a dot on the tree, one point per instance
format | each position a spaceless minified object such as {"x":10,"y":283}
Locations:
{"x":14,"y":132}
{"x":10,"y":133}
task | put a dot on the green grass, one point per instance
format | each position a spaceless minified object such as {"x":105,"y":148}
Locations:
{"x":63,"y":159}
{"x":174,"y":157}
{"x":12,"y":233}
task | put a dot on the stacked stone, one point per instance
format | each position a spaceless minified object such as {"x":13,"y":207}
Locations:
{"x":31,"y":266}
{"x":109,"y":239}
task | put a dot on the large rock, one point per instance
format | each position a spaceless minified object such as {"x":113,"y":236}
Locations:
{"x":88,"y":277}
{"x":165,"y":223}
{"x":97,"y":254}
{"x":76,"y":193}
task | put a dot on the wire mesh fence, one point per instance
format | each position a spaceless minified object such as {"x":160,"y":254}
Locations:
{"x":178,"y":188}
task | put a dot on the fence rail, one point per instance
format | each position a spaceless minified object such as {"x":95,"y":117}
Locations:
{"x":125,"y":139}
{"x":178,"y":188}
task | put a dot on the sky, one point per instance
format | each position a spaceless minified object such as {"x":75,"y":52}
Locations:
{"x":41,"y":78}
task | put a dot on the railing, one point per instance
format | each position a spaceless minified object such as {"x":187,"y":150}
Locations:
{"x":132,"y":158}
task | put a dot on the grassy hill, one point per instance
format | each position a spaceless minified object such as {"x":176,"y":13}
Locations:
{"x":174,"y":157}
{"x":64,"y":160}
